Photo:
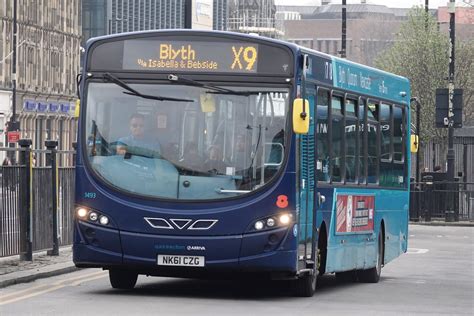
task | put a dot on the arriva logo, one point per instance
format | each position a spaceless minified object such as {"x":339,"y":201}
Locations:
{"x":200,"y":248}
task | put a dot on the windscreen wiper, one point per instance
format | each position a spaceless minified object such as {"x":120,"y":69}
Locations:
{"x":131,"y":91}
{"x":215,"y":89}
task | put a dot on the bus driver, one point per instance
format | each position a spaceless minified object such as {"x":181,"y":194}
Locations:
{"x":137,"y":139}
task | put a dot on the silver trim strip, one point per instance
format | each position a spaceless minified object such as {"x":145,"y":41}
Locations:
{"x":214,"y":221}
{"x":158,"y":226}
{"x":187,"y":221}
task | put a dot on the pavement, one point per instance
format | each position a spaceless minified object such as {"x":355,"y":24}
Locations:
{"x":14,"y":271}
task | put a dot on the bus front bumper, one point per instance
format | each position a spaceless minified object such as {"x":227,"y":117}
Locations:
{"x":269,"y":251}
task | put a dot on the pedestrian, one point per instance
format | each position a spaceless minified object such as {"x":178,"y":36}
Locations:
{"x":6,"y":161}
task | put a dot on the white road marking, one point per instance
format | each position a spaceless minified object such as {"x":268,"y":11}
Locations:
{"x":417,"y":251}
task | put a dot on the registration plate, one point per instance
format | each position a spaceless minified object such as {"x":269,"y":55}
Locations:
{"x":181,"y":261}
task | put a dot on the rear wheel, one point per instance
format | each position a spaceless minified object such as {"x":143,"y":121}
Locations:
{"x":122,"y":279}
{"x":372,"y":275}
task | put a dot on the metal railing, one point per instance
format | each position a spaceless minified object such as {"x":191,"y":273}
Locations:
{"x":36,"y":202}
{"x":442,"y":200}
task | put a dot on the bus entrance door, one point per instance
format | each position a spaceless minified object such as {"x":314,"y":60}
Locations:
{"x":307,"y":216}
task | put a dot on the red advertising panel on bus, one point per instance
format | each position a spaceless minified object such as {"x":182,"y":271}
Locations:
{"x":355,"y":213}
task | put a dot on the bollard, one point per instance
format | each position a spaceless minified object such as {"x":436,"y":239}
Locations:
{"x":26,"y":220}
{"x":452,"y":190}
{"x":52,"y":145}
{"x":428,"y":197}
{"x":456,"y":196}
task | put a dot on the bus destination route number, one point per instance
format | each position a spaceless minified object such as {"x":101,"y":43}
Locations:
{"x":190,"y":56}
{"x":181,"y":261}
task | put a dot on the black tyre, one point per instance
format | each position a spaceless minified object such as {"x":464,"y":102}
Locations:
{"x":305,"y":286}
{"x":372,"y":275}
{"x":122,"y":279}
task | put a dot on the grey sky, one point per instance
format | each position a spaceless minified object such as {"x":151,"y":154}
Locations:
{"x":393,"y":4}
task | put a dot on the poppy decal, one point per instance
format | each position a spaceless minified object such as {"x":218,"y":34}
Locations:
{"x":282,"y":201}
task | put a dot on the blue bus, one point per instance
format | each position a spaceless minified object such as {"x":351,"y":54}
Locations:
{"x":204,"y":153}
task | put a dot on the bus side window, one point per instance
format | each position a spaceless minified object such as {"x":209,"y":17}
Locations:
{"x":362,"y":134}
{"x":398,"y":147}
{"x":386,"y":128}
{"x":372,"y":142}
{"x":322,"y":135}
{"x":351,"y":131}
{"x":337,"y":138}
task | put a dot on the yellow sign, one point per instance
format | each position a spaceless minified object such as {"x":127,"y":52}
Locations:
{"x":414,"y":143}
{"x":208,"y":103}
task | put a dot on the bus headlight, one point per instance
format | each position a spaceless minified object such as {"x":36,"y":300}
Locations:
{"x":93,"y":216}
{"x":259,"y":225}
{"x":82,"y":212}
{"x":104,"y":220}
{"x":272,"y":222}
{"x":285,"y":219}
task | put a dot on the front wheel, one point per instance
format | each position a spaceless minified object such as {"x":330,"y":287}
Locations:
{"x":372,"y":275}
{"x":305,"y":285}
{"x":122,"y":279}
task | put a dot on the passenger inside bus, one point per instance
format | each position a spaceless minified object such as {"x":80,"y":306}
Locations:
{"x":137,"y":142}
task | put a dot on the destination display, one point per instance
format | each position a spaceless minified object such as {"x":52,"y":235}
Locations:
{"x":195,"y":56}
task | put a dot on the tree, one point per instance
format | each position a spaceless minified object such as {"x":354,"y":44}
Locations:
{"x":464,"y":74}
{"x":421,"y":53}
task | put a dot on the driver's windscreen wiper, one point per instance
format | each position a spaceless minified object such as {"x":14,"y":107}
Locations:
{"x":215,"y":89}
{"x":244,"y":93}
{"x":131,"y":91}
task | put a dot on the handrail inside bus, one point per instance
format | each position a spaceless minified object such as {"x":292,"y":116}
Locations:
{"x":222,"y":191}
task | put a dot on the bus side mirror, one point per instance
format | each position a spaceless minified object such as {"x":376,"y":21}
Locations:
{"x":300,"y":116}
{"x":414,"y":143}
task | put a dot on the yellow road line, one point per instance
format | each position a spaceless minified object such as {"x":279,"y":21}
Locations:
{"x":45,"y":288}
{"x":86,"y":280}
{"x":71,"y":279}
{"x":2,"y":302}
